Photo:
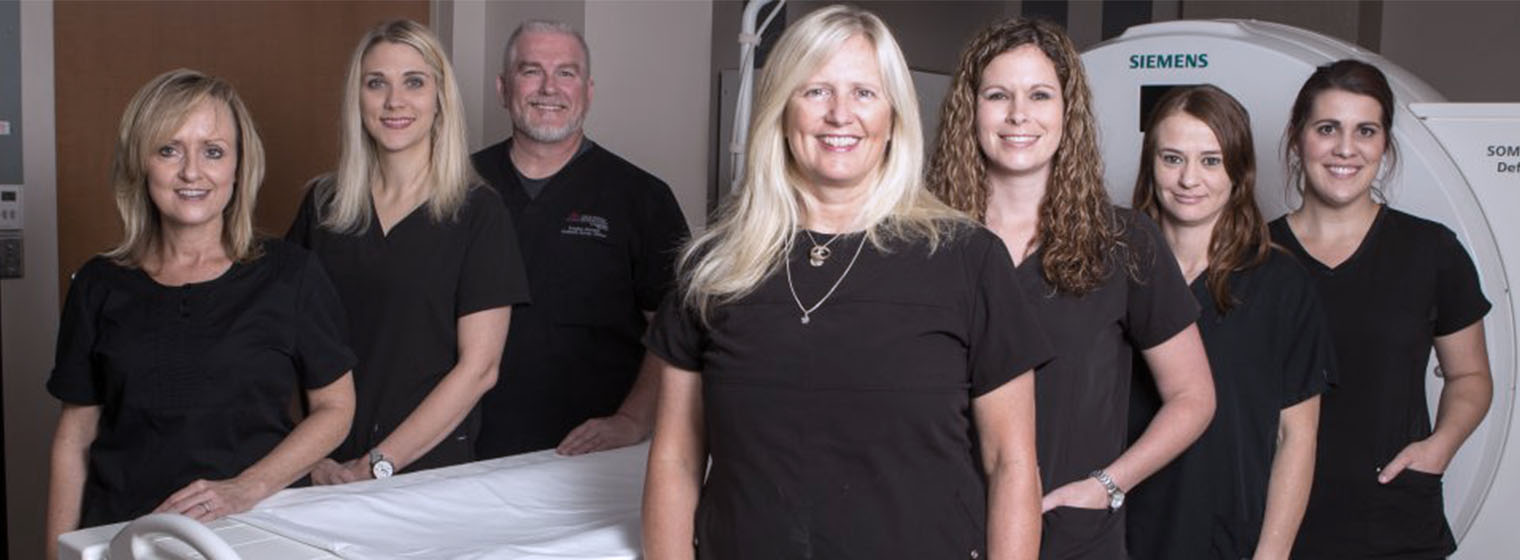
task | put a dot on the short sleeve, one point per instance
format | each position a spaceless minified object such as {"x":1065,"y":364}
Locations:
{"x":1459,"y":298}
{"x":677,"y":335}
{"x":321,"y":338}
{"x":300,"y":228}
{"x":1005,"y":338}
{"x":73,"y":378}
{"x":1159,"y":303}
{"x":1306,"y":349}
{"x":660,"y":238}
{"x":492,"y":274}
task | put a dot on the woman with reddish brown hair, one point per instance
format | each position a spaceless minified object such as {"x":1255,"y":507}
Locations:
{"x":1240,"y":490}
{"x":1018,"y":151}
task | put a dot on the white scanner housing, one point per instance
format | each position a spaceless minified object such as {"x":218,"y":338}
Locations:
{"x":1459,"y":164}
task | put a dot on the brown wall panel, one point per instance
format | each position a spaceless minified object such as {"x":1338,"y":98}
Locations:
{"x":286,"y":59}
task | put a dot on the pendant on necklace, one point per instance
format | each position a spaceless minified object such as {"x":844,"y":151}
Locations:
{"x":805,"y":319}
{"x":817,"y":255}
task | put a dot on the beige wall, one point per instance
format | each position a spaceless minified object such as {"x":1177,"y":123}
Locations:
{"x":30,"y":303}
{"x":1466,"y":50}
{"x":653,"y":91}
{"x":650,"y":62}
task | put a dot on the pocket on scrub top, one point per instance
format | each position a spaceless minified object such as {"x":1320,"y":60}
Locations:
{"x":1408,"y":513}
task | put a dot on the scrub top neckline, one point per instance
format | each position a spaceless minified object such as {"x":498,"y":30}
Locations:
{"x":1311,"y":261}
{"x":386,"y":234}
{"x":142,"y":273}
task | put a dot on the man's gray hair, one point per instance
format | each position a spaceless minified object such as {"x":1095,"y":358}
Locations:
{"x":543,"y":26}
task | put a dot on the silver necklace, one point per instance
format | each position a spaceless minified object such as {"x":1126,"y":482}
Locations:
{"x":819,"y":253}
{"x":808,"y":311}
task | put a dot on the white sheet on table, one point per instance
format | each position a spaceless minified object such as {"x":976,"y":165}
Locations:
{"x":532,"y":506}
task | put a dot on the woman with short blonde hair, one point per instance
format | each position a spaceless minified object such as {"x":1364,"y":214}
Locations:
{"x":179,"y":350}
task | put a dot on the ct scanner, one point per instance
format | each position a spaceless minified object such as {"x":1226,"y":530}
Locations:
{"x":1459,"y":164}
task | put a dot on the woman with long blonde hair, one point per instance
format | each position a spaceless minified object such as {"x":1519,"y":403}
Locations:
{"x":842,"y":341}
{"x":423,"y":256}
{"x":1018,"y":150}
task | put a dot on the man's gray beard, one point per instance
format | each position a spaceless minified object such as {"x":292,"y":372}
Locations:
{"x":547,"y":135}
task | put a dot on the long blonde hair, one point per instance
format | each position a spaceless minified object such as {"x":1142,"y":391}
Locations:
{"x":344,"y":197}
{"x":1078,"y":228}
{"x":159,"y":109}
{"x":755,"y":226}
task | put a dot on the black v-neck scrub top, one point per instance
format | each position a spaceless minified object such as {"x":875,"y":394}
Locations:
{"x":851,"y":436}
{"x":405,"y":291}
{"x":1082,"y":396}
{"x":599,"y":243}
{"x":193,"y":381}
{"x":1270,"y":351}
{"x":1409,"y":282}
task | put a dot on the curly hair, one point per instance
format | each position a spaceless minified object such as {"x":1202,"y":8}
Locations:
{"x":1240,"y":239}
{"x":1078,"y":227}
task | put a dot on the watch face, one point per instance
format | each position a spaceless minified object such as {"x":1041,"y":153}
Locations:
{"x":382,"y":469}
{"x":1116,"y":500}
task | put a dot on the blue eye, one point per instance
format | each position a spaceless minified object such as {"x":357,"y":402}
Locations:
{"x":1212,"y":161}
{"x":215,"y":152}
{"x":168,"y":151}
{"x":374,"y":83}
{"x":1171,"y":159}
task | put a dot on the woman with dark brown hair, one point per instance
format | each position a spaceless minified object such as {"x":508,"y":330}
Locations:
{"x":1018,"y":151}
{"x":1240,"y":490}
{"x":1394,"y":286}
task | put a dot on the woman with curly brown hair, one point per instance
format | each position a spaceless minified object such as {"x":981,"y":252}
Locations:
{"x":1018,"y":150}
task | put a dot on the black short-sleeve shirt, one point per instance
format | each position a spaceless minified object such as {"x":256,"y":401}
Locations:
{"x":1082,"y":395}
{"x":851,"y":436}
{"x":599,"y":242}
{"x":1270,"y":351}
{"x":193,"y":381}
{"x":405,"y":291}
{"x":1409,"y":282}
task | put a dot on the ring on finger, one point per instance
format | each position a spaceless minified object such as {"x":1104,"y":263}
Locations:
{"x":205,"y":507}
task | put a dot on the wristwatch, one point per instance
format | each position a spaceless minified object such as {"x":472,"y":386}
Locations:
{"x":379,"y":466}
{"x":1115,"y":495}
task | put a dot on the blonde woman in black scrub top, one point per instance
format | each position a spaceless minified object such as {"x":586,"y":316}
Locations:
{"x":1018,"y":150}
{"x":422,"y":253}
{"x":842,"y":343}
{"x":1394,"y":286}
{"x":179,"y":350}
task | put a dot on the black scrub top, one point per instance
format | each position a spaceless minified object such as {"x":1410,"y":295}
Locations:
{"x":1082,"y":396}
{"x":405,"y":291}
{"x":193,"y":381}
{"x":852,"y":436}
{"x":599,"y":242}
{"x":1409,"y":282}
{"x":1271,"y":351}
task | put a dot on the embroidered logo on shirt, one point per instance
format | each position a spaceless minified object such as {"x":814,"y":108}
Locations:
{"x":585,"y":225}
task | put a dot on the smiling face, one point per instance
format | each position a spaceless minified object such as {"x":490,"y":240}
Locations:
{"x":1020,"y":112}
{"x":838,"y":121}
{"x":1342,"y":145}
{"x":191,"y":174}
{"x":547,"y":89}
{"x":399,"y":97}
{"x":1192,"y":183}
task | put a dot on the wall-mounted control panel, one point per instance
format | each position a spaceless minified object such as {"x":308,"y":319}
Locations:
{"x":11,"y":224}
